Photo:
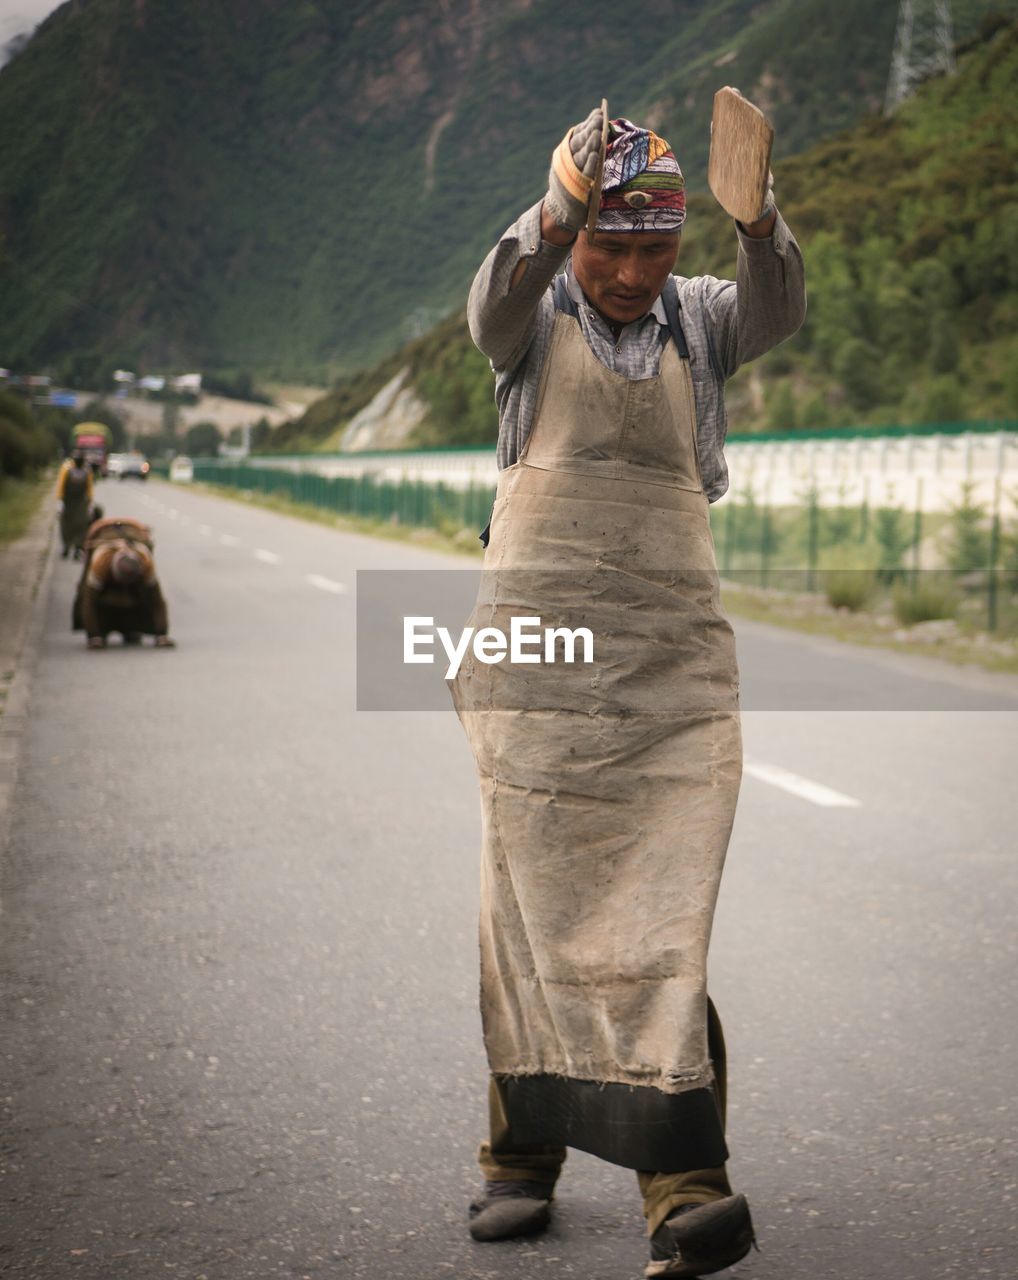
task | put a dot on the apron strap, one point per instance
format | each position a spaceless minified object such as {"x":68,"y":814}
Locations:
{"x":564,"y":302}
{"x":670,"y":297}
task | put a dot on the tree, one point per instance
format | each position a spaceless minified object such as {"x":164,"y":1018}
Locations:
{"x":943,"y":400}
{"x":24,"y":445}
{"x":202,"y":440}
{"x":968,"y":535}
{"x":781,"y":414}
{"x":858,"y":369}
{"x":891,"y":536}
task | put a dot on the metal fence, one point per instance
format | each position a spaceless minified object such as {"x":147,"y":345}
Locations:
{"x":417,"y":503}
{"x":960,"y":563}
{"x":965,"y":559}
{"x":878,"y":463}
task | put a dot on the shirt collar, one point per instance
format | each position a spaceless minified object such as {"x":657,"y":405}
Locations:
{"x":580,"y":298}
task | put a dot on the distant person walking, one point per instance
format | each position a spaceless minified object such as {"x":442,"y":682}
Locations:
{"x":119,"y":590}
{"x":74,"y":502}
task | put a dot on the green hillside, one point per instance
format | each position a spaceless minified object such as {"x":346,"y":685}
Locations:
{"x":909,"y":227}
{"x":288,"y":186}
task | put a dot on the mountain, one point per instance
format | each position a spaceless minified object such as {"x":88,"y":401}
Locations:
{"x":909,"y":228}
{"x":290,"y":187}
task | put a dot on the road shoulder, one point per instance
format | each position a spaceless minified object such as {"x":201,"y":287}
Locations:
{"x":25,"y":569}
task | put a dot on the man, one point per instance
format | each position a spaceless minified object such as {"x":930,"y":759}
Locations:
{"x":608,"y":794}
{"x":74,"y":503}
{"x":119,"y":590}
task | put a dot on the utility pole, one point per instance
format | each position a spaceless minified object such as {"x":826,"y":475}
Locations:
{"x":923,"y":46}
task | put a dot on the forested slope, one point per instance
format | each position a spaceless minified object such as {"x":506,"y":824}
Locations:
{"x":290,"y":188}
{"x":909,"y":227}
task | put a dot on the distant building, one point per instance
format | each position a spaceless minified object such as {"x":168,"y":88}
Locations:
{"x":188,"y":383}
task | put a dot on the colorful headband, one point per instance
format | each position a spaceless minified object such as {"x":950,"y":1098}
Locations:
{"x":643,"y":187}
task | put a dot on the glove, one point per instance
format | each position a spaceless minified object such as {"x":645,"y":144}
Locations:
{"x":572,"y":173}
{"x":768,"y":202}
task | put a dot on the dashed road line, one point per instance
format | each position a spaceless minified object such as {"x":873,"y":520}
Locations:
{"x":267,"y":557}
{"x":326,"y":584}
{"x":205,"y":529}
{"x":803,"y":788}
{"x":228,"y":540}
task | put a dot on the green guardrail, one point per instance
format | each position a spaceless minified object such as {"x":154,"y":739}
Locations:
{"x":805,"y":547}
{"x":409,"y":502}
{"x":802,"y":435}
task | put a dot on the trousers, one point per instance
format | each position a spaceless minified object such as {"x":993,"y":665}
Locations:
{"x":503,"y":1160}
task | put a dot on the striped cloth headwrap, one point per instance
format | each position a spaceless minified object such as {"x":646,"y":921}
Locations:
{"x":643,"y":186}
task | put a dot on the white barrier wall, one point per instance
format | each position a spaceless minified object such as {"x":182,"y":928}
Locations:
{"x":925,"y":472}
{"x":929,"y":473}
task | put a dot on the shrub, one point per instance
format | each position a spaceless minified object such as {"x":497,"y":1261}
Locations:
{"x":930,"y":598}
{"x":24,"y":445}
{"x":849,"y":579}
{"x":891,"y":536}
{"x":968,"y":534}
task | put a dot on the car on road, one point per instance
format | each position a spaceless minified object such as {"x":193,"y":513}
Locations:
{"x":182,"y":470}
{"x":132,"y":465}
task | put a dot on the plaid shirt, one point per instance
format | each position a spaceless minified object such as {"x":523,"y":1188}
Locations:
{"x":725,"y":323}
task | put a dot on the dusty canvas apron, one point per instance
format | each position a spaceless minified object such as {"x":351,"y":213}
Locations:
{"x":607,"y":790}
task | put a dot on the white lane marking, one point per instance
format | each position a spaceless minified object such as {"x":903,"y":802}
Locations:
{"x":172,"y":513}
{"x":326,"y":584}
{"x":205,"y":529}
{"x":267,"y":557}
{"x":228,"y":540}
{"x":804,"y":788}
{"x":185,"y":519}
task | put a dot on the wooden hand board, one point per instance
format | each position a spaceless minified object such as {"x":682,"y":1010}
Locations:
{"x":740,"y":155}
{"x":594,"y":207}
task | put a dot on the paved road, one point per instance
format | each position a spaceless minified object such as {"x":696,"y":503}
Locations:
{"x":239,"y":971}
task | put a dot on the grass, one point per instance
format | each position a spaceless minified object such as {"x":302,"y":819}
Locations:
{"x":813,"y":615}
{"x":19,"y":501}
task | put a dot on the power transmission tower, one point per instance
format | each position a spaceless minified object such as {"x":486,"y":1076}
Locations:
{"x":924,"y":45}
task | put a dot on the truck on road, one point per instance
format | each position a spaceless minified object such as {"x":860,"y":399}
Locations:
{"x":93,"y":439}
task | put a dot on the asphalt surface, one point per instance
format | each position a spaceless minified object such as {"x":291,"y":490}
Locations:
{"x":239,"y":973}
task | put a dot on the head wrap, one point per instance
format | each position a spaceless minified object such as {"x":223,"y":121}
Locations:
{"x":643,"y":188}
{"x":127,"y":567}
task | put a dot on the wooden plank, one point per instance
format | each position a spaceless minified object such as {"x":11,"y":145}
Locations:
{"x":740,"y":155}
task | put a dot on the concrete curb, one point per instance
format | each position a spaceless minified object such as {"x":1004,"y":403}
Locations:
{"x":28,"y":632}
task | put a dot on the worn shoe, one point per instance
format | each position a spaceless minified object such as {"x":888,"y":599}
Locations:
{"x":510,"y":1209}
{"x":699,"y":1239}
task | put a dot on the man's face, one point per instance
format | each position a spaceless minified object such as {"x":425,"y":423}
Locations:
{"x":623,"y":272}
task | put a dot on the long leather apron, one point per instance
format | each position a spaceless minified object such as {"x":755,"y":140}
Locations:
{"x":608,"y":790}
